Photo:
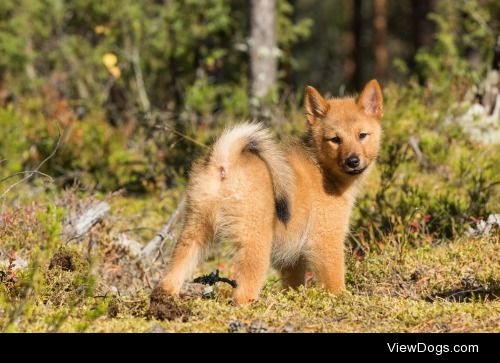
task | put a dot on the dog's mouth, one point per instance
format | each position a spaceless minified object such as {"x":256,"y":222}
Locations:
{"x":355,"y":171}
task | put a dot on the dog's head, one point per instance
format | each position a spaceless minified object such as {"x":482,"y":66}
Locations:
{"x":345,"y":132}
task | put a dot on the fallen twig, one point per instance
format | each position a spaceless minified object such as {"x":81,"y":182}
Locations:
{"x":30,"y":172}
{"x":143,"y":95}
{"x":173,"y":130}
{"x":83,"y":223}
{"x":152,"y":248}
{"x":413,"y":143}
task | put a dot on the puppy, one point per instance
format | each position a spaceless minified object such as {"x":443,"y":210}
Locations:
{"x":285,"y":205}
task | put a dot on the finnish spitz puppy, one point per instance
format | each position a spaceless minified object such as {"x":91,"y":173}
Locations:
{"x":286,"y":206}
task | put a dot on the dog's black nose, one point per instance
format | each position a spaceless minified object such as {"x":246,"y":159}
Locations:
{"x":352,"y":161}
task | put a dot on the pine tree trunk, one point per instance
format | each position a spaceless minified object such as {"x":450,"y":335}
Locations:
{"x":424,"y":28}
{"x":263,"y":49}
{"x":358,"y":29}
{"x":380,"y":39}
{"x":349,"y":45}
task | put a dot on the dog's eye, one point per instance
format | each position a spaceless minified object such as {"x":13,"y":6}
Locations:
{"x":362,"y":135}
{"x":336,"y":140}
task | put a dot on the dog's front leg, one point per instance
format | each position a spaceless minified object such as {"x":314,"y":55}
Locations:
{"x":327,"y":259}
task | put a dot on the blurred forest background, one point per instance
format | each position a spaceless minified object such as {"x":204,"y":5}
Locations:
{"x":125,"y":80}
{"x":113,"y":100}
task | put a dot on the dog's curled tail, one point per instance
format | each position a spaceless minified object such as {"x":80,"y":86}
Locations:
{"x":253,"y":137}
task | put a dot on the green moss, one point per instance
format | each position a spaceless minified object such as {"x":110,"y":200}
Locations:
{"x":384,"y":294}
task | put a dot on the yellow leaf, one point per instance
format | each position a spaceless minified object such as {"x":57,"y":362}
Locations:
{"x":99,"y":29}
{"x":109,"y":60}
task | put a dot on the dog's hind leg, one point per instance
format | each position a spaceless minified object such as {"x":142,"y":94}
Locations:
{"x":251,"y":263}
{"x":186,"y":254}
{"x":252,"y":235}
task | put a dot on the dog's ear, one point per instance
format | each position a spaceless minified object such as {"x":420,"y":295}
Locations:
{"x":316,"y":106}
{"x":371,"y":100}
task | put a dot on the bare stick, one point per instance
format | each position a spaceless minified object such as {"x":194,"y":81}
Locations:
{"x":143,"y":95}
{"x":413,"y":142}
{"x":167,"y":128}
{"x":28,"y":174}
{"x":90,"y":217}
{"x":153,"y":247}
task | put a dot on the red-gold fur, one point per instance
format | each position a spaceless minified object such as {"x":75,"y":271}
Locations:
{"x":286,"y":205}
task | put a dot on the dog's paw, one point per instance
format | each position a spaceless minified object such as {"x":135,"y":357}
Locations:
{"x":244,"y":298}
{"x":168,"y":288}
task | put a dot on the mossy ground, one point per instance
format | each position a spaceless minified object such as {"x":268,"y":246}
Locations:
{"x":397,"y":289}
{"x":412,"y":262}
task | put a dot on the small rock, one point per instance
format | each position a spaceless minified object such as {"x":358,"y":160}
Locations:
{"x":157,"y":328}
{"x":416,"y":275}
{"x":193,"y":289}
{"x":19,"y":264}
{"x":480,"y":125}
{"x":236,"y":326}
{"x":288,"y":328}
{"x":484,"y":228}
{"x":258,"y":326}
{"x":494,"y":219}
{"x":442,"y":327}
{"x":208,"y":292}
{"x":113,"y":291}
{"x":469,"y":281}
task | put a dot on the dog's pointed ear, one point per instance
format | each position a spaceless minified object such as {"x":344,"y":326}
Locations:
{"x":371,"y":100}
{"x":316,"y":106}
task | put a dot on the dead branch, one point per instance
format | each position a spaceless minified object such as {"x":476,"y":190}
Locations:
{"x":29,"y":172}
{"x":152,"y":248}
{"x":84,"y":222}
{"x":91,"y":217}
{"x":143,"y":95}
{"x":413,"y":143}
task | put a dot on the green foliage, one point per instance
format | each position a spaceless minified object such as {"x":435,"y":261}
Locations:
{"x":463,"y":27}
{"x":14,"y":152}
{"x":56,"y":274}
{"x":143,"y":66}
{"x":289,"y":34}
{"x":180,"y":47}
{"x":91,"y":151}
{"x":438,"y":197}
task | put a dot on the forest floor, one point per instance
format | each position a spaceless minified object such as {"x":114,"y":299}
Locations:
{"x":96,"y":283}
